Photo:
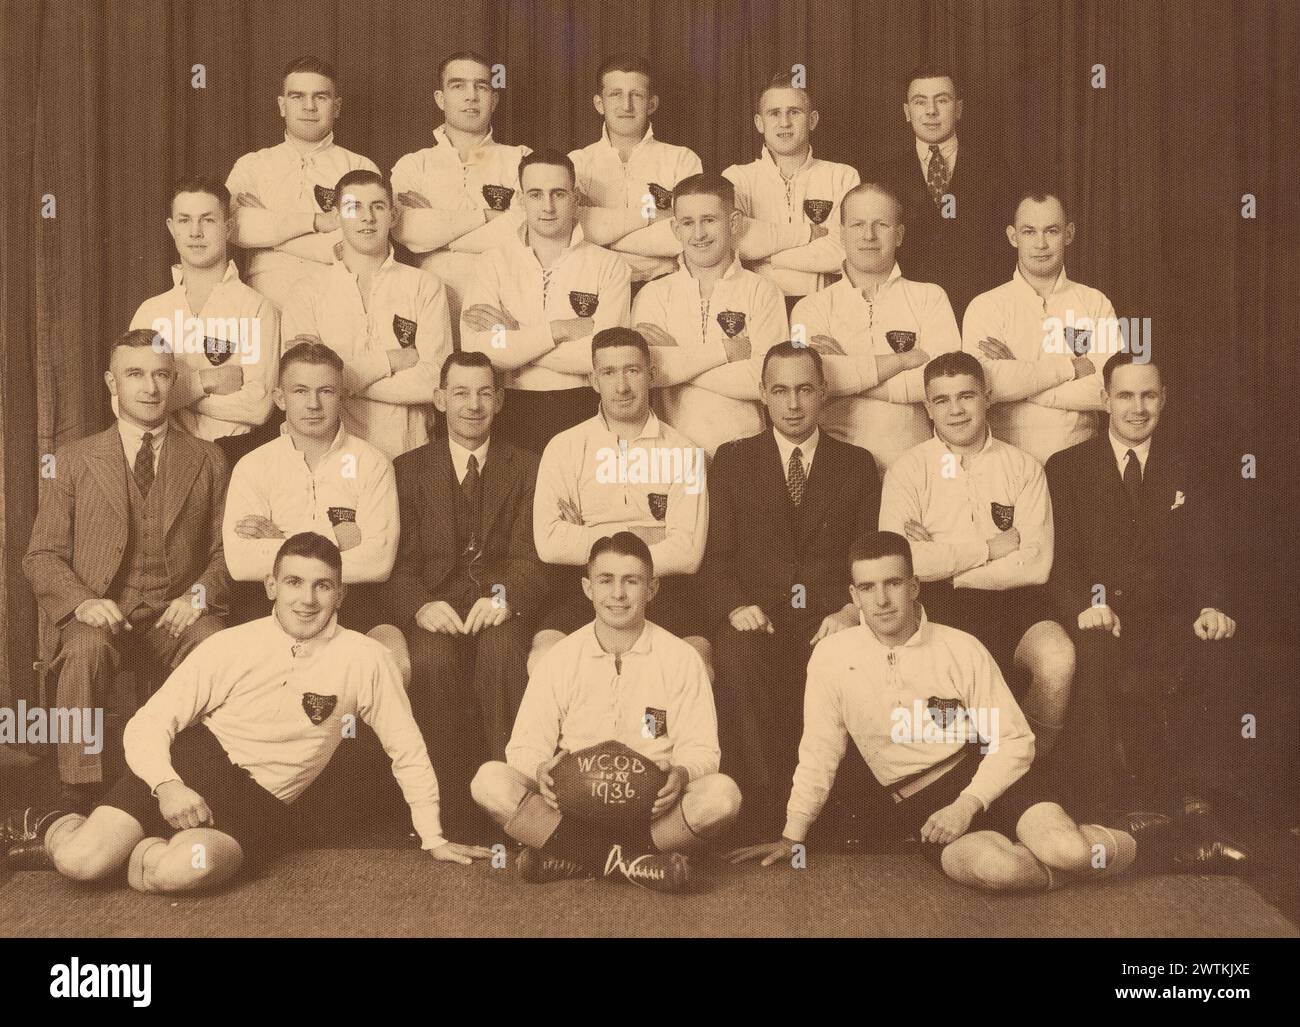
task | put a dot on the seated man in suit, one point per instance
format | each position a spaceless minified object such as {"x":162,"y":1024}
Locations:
{"x":979,"y":518}
{"x":1041,"y":337}
{"x":874,"y":312}
{"x":468,"y":584}
{"x":784,"y":506}
{"x":125,"y":555}
{"x":1139,"y":578}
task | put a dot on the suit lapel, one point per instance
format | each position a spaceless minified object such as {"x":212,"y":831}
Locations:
{"x":436,"y":487}
{"x":771,"y":482}
{"x":821,"y":483}
{"x":108,"y":465}
{"x":498,"y":473}
{"x":181,"y":460}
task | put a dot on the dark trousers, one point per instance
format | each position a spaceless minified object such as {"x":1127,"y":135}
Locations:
{"x":465,"y":693}
{"x":530,"y":420}
{"x":88,"y":662}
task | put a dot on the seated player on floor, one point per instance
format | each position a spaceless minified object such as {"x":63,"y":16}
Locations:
{"x":234,"y":736}
{"x":929,"y":711}
{"x":624,"y":787}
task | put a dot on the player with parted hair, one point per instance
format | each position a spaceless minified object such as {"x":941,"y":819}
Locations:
{"x":285,"y":209}
{"x":621,"y":696}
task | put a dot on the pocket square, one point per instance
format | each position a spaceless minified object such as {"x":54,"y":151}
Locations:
{"x":1179,"y":500}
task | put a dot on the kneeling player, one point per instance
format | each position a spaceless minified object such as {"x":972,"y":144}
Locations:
{"x":234,"y":736}
{"x":875,"y":682}
{"x":618,"y":680}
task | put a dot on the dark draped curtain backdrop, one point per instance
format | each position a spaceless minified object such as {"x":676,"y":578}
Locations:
{"x":1199,"y":108}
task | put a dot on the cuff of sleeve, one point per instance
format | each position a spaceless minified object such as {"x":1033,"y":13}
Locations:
{"x":304,"y":223}
{"x":974,"y":554}
{"x":157,"y":781}
{"x":796,"y":828}
{"x":984,"y":803}
{"x":427,"y":826}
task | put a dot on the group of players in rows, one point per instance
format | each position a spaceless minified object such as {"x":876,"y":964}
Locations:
{"x":774,"y":340}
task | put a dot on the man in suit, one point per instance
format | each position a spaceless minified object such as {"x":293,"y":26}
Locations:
{"x":468,"y":582}
{"x":949,"y":192}
{"x":785,"y":506}
{"x":1138,"y":578}
{"x":125,"y":557}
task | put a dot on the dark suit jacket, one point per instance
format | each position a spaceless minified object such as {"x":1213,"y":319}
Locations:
{"x":83,"y":522}
{"x":968,"y":254}
{"x":1167,"y":557}
{"x":760,"y":545}
{"x":428,"y":549}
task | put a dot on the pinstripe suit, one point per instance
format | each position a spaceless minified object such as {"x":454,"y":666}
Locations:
{"x":76,"y":552}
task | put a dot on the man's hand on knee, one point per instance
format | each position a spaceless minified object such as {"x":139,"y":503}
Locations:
{"x":182,"y":807}
{"x":102,"y":613}
{"x":950,"y":823}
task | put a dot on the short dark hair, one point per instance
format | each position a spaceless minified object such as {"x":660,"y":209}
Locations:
{"x":789,"y":349}
{"x":878,"y":544}
{"x":707,"y":184}
{"x":138,"y":338}
{"x":1039,"y":194}
{"x":622,"y":543}
{"x":362,"y":176}
{"x":1122,"y":359}
{"x":609,"y":338}
{"x":308,"y":543}
{"x":624,"y":62}
{"x":547,"y":155}
{"x":311,"y":65}
{"x":463,"y":55}
{"x":466,"y":358}
{"x":781,"y":80}
{"x":307,"y":349}
{"x":201,"y":184}
{"x":946,"y":365}
{"x":862,"y":188}
{"x":932,"y":69}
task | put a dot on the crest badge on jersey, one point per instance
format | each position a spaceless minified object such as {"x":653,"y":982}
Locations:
{"x":325,"y":197}
{"x":900,"y":341}
{"x":318,"y":707}
{"x":732,"y":322}
{"x":584,"y":303}
{"x":498,"y":196}
{"x":341,"y":515}
{"x":217,"y":351}
{"x":404,"y":328}
{"x":658,"y":719}
{"x":1003,"y":516}
{"x":817,"y":210}
{"x":1078,"y":340}
{"x":663,"y":197}
{"x":658,"y":505}
{"x":944,"y":712}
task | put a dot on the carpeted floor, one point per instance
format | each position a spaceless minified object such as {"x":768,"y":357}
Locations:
{"x":400,"y":892}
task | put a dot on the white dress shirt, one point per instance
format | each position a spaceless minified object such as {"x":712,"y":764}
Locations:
{"x":1142,"y":450}
{"x":1038,"y":405}
{"x":247,"y":322}
{"x":133,"y":438}
{"x":948,"y":148}
{"x":460,"y":457}
{"x":807,"y":450}
{"x":956,"y":499}
{"x":577,"y":697}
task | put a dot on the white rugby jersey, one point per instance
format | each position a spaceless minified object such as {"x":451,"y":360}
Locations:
{"x":512,"y":277}
{"x":578,"y":697}
{"x":294,"y":182}
{"x":352,"y":484}
{"x":406,"y":308}
{"x":1039,"y":407}
{"x":236,"y":326}
{"x":965,"y":501}
{"x":810,"y":197}
{"x":278,"y":708}
{"x":896,"y":703}
{"x":742,"y":303}
{"x":890,"y":419}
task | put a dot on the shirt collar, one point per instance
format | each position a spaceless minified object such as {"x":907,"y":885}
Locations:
{"x":733,"y":269}
{"x":894,"y":275}
{"x":645,"y":139}
{"x":919,"y":637}
{"x":948,"y":148}
{"x":390,"y":261}
{"x":576,"y":237}
{"x":1121,"y":451}
{"x":806,"y":448}
{"x":460,"y":455}
{"x":340,"y":437}
{"x":1022,"y":283}
{"x":653,"y":428}
{"x":232,"y":273}
{"x":771,"y":162}
{"x":440,"y":138}
{"x":133,"y":435}
{"x":305,"y":150}
{"x":593,"y":650}
{"x":304,"y":647}
{"x":989,"y":443}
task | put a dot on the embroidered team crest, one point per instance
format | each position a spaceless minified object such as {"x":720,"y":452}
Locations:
{"x":901,"y":342}
{"x":584,"y":303}
{"x":498,"y":196}
{"x":944,"y":712}
{"x":325,"y":197}
{"x":817,"y":210}
{"x":732,"y":322}
{"x":663,"y":197}
{"x":217,"y":351}
{"x":656,"y":719}
{"x":658,"y":505}
{"x":341,"y":515}
{"x":404,"y":329}
{"x":1078,"y":340}
{"x":1003,"y":516}
{"x":318,"y":707}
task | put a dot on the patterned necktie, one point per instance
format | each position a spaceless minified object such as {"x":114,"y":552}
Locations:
{"x":796,"y":480}
{"x":936,"y":177}
{"x":144,"y":465}
{"x":1133,"y":476}
{"x":472,"y":489}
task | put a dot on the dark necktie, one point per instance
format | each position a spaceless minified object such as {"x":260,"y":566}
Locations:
{"x":936,"y":176}
{"x":1133,"y":476}
{"x":796,"y":480}
{"x":472,"y":489}
{"x":144,"y":465}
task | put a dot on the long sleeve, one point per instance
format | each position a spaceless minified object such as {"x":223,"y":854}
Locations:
{"x":1011,"y":747}
{"x":537,"y":726}
{"x":938,"y":334}
{"x":557,"y":540}
{"x":257,"y":227}
{"x":48,"y":562}
{"x":673,"y":364}
{"x":606,"y":226}
{"x":425,"y":229}
{"x":900,"y":502}
{"x":516,"y":348}
{"x":301,"y":317}
{"x":493,"y":235}
{"x":742,"y":379}
{"x":1009,"y":380}
{"x":687,"y":523}
{"x":612,"y":311}
{"x":251,"y":403}
{"x":248,"y":559}
{"x":695,"y":731}
{"x":845,"y":375}
{"x":1031,"y":564}
{"x":416,"y":385}
{"x":824,"y":741}
{"x":377,"y":518}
